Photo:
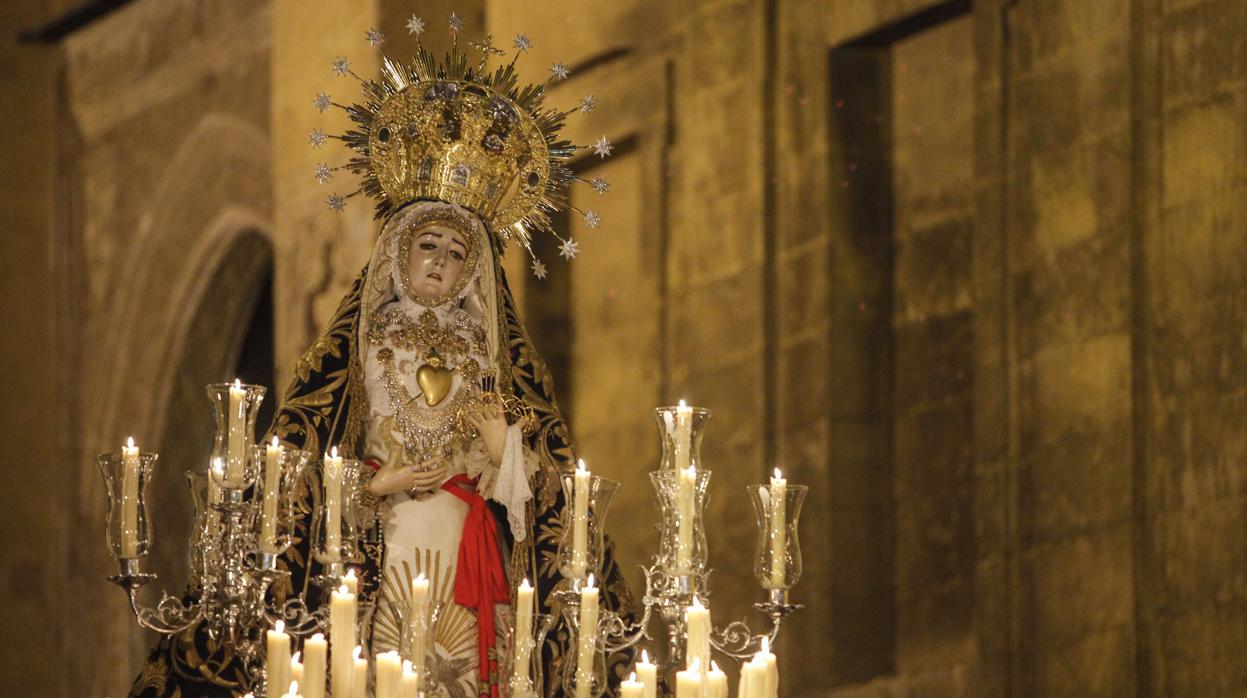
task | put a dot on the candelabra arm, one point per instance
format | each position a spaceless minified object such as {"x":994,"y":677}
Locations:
{"x":618,"y":634}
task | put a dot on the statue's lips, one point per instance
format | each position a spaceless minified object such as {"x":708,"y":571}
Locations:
{"x":433,"y":275}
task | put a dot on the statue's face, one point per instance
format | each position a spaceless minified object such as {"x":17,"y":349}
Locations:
{"x":437,"y":257}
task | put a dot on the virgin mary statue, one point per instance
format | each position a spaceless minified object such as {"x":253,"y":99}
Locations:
{"x":426,"y":373}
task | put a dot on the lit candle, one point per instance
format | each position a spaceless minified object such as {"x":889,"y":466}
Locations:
{"x":292,"y":691}
{"x":278,"y":658}
{"x":631,"y":688}
{"x":770,"y":669}
{"x":359,"y":674}
{"x":272,"y":484}
{"x":716,"y":682}
{"x":418,"y":623}
{"x":129,"y":500}
{"x":236,"y":448}
{"x":341,"y":639}
{"x":333,"y":505}
{"x":350,"y":581}
{"x":411,"y":681}
{"x":389,"y":683}
{"x":752,"y":680}
{"x":580,"y":521}
{"x":779,"y":531}
{"x":688,"y":682}
{"x":686,"y":485}
{"x":697,"y":621}
{"x":647,"y":674}
{"x":587,"y":642}
{"x":296,"y":669}
{"x":522,"y":673}
{"x":683,"y":435}
{"x":315,"y":649}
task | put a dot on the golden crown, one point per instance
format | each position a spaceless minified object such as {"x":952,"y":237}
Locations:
{"x":465,"y":134}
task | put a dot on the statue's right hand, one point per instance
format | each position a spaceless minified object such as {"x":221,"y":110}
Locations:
{"x":428,"y":480}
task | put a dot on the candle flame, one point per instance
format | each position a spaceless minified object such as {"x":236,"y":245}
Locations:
{"x":343,"y":590}
{"x":632,"y":676}
{"x":407,"y":666}
{"x":766,"y":644}
{"x":359,"y":651}
{"x":695,"y":665}
{"x":590,"y":583}
{"x":275,"y":444}
{"x":777,"y":475}
{"x":298,"y":657}
{"x":682,"y":405}
{"x":319,"y":637}
{"x":350,"y":573}
{"x":237,"y":384}
{"x":580,"y":465}
{"x":294,"y":688}
{"x":645,"y":656}
{"x":525,"y":585}
{"x":280,"y":627}
{"x":714,"y":666}
{"x":333,"y":452}
{"x":697,"y":602}
{"x":420,"y":578}
{"x":129,"y":442}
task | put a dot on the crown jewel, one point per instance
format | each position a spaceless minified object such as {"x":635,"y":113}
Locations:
{"x":466,"y":134}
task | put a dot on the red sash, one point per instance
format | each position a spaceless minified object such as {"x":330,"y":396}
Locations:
{"x":480,"y":581}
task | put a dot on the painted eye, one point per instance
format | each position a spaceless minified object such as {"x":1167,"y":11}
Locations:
{"x":428,"y":246}
{"x":457,"y":256}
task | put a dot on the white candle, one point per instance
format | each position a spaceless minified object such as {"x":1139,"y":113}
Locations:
{"x":587,"y":640}
{"x":752,"y":680}
{"x":716,"y":682}
{"x":236,"y":444}
{"x":647,"y":674}
{"x":333,"y":505}
{"x":359,"y":674}
{"x":631,"y":688}
{"x":129,"y":500}
{"x":688,"y":682}
{"x":697,"y":621}
{"x":418,"y":623}
{"x":296,"y":670}
{"x":686,"y":485}
{"x":315,"y":650}
{"x":770,"y":669}
{"x":411,"y":681}
{"x":272,"y":484}
{"x":389,"y":683}
{"x":580,"y":521}
{"x":522,"y":672}
{"x":779,"y":532}
{"x":683,"y":436}
{"x":278,"y":657}
{"x":341,"y":639}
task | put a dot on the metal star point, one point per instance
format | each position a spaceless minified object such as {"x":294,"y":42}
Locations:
{"x":316,"y":138}
{"x":569,"y":249}
{"x":593,"y":219}
{"x":415,"y":25}
{"x":558,"y":71}
{"x":341,"y":66}
{"x":322,"y":102}
{"x":375,"y":37}
{"x":522,"y":43}
{"x":539,"y":269}
{"x":600,"y":185}
{"x":588,"y":104}
{"x":456,"y":24}
{"x":324,"y":173}
{"x":336,"y":202}
{"x":602,"y":147}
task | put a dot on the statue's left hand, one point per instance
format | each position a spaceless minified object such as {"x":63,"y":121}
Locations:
{"x":491,"y":423}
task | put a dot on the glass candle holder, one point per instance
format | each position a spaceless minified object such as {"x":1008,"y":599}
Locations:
{"x":281,"y":473}
{"x":578,"y":560}
{"x":202,"y":526}
{"x":681,"y":429}
{"x":235,"y":407}
{"x":523,"y":652}
{"x":777,"y":559}
{"x":682,"y":498}
{"x":583,"y":675}
{"x":127,"y":528}
{"x":338,"y":511}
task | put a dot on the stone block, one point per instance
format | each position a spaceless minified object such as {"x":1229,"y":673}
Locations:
{"x":1083,"y":587}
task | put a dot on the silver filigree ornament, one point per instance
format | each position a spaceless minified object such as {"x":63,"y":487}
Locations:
{"x":522,"y":43}
{"x":569,"y":249}
{"x":335,"y":202}
{"x":415,"y":25}
{"x":600,"y":185}
{"x":322,"y":102}
{"x":324,"y":173}
{"x":593,"y":219}
{"x":602,"y":147}
{"x":456,"y":24}
{"x":539,"y":268}
{"x":340,"y":66}
{"x":588,"y":103}
{"x":316,"y":138}
{"x":558,"y":71}
{"x":375,"y":37}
